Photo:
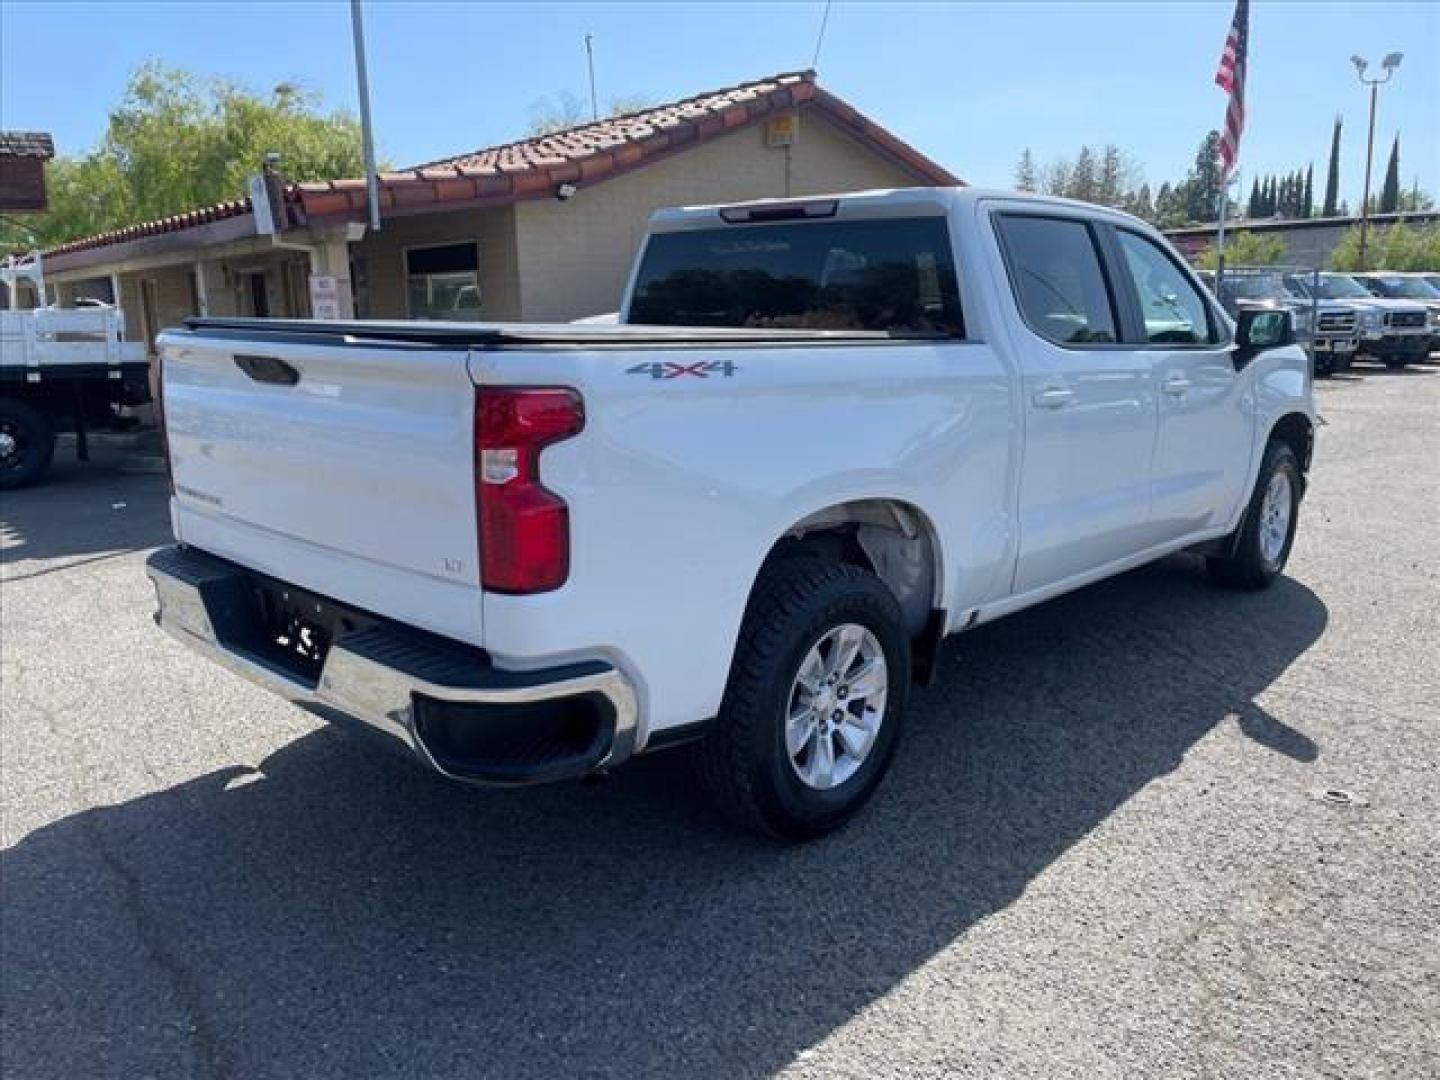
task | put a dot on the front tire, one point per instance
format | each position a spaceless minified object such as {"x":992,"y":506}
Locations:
{"x":1261,"y":546}
{"x":812,"y":712}
{"x":27,"y":444}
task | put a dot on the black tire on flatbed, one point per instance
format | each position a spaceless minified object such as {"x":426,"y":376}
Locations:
{"x":32,"y":443}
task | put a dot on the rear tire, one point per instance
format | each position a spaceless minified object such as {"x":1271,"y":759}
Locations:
{"x":27,"y":444}
{"x":757,"y":764}
{"x":1261,"y":546}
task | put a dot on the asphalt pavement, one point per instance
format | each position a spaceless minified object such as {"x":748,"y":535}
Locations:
{"x":1154,"y":828}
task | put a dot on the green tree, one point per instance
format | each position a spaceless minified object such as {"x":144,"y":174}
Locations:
{"x":1415,"y":199}
{"x":1307,"y":201}
{"x":1331,"y":206}
{"x":1141,"y":205}
{"x":1392,"y":247}
{"x":1390,"y":191}
{"x":1084,"y":179}
{"x":1204,"y":182}
{"x":177,"y":141}
{"x":1252,"y":207}
{"x":1117,"y":177}
{"x":1025,"y":179}
{"x":1246,"y":249}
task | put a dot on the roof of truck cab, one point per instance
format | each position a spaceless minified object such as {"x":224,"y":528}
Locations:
{"x":884,"y":201}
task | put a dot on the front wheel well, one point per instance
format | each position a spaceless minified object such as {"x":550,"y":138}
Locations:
{"x":1297,"y":432}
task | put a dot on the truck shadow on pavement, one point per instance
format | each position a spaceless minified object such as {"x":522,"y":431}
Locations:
{"x":82,"y":511}
{"x":339,"y":914}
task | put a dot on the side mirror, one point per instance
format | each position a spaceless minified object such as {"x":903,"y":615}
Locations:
{"x":1258,"y":329}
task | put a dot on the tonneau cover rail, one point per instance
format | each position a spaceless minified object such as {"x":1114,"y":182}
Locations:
{"x":501,"y":335}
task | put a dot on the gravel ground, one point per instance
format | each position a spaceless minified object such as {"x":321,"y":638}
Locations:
{"x":1103,"y":850}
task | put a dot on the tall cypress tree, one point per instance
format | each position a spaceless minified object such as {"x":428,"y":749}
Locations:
{"x":1252,"y":208}
{"x":1390,"y":193}
{"x":1307,"y":201}
{"x":1331,"y":206}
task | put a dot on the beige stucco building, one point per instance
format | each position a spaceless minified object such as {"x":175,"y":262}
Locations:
{"x":539,"y":230}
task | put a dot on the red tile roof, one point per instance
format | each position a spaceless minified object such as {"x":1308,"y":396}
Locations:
{"x":533,"y":168}
{"x":27,"y":144}
{"x":173,"y":223}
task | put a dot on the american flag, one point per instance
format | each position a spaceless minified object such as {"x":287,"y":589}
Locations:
{"x":1230,"y":77}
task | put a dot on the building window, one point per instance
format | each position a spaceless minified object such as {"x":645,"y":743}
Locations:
{"x":444,"y":282}
{"x":99,"y":289}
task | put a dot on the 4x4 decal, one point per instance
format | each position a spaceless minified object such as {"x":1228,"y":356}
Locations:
{"x":670,"y":369}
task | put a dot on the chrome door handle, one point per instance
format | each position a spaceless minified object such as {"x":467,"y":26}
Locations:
{"x":1053,"y":397}
{"x":1176,"y":385}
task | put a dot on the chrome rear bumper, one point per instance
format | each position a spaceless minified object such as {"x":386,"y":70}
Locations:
{"x":458,"y":714}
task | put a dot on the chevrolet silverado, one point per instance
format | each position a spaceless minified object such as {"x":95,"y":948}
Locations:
{"x":824,"y":434}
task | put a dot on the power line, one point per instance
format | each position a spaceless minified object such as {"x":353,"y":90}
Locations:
{"x":820,"y":38}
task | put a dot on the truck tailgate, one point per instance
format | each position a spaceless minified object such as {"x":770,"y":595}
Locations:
{"x":346,"y":468}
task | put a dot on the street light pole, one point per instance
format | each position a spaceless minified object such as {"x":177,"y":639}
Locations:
{"x":1389,"y":64}
{"x":367,"y":134}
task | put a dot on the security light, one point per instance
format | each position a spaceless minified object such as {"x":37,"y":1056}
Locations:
{"x":565,"y":191}
{"x":1360,"y":64}
{"x":1392,"y":61}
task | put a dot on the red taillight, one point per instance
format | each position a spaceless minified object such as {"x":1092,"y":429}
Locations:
{"x":524,"y":527}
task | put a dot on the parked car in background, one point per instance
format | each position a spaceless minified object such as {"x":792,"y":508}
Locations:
{"x":1399,"y":286}
{"x":1329,"y":331}
{"x":828,"y":433}
{"x":1395,"y":332}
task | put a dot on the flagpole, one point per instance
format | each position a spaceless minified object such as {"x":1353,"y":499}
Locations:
{"x":1220,"y":232}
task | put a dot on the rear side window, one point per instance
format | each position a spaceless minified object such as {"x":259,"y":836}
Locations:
{"x":896,"y":274}
{"x":1055,"y":272}
{"x":1173,"y":309}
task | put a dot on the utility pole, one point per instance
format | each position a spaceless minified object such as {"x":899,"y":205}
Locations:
{"x":590,"y":61}
{"x":367,"y":133}
{"x":1388,"y":65}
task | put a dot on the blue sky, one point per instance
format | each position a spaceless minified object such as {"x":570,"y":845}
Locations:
{"x":971,"y":84}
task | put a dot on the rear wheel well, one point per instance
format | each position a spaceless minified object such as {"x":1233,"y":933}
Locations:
{"x":1296,"y":431}
{"x":890,"y":539}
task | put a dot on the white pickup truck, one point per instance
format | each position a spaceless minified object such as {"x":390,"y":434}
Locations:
{"x":825,"y":434}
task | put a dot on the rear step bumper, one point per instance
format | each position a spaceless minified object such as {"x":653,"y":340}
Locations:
{"x":455,"y":711}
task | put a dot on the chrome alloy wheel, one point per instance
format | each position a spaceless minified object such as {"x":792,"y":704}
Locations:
{"x":836,"y":706}
{"x":1275,"y":517}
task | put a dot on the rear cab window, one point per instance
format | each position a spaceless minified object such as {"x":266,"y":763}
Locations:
{"x":888,"y":274}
